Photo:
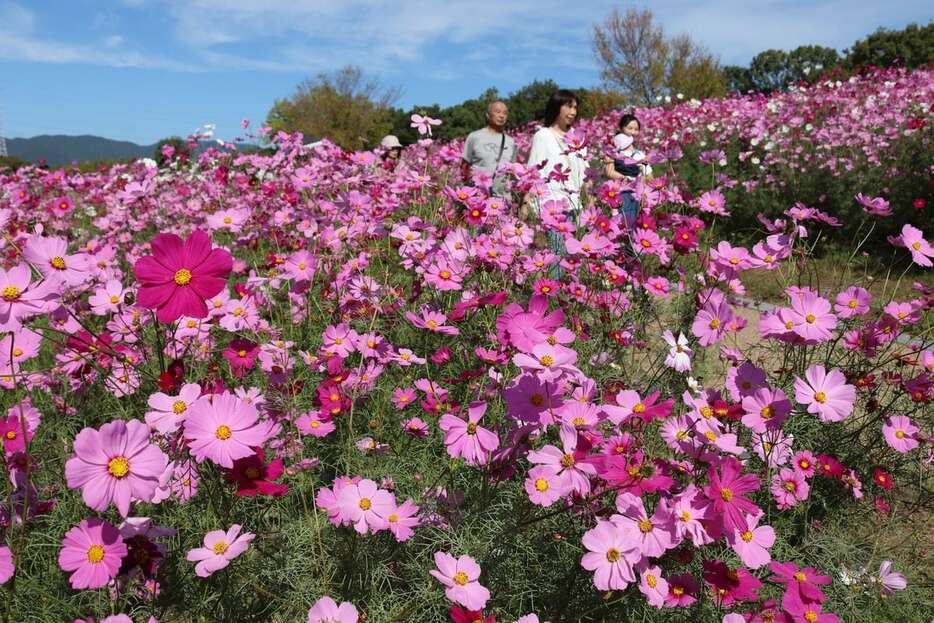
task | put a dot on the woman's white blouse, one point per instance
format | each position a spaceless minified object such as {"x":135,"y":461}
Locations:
{"x":549,"y":148}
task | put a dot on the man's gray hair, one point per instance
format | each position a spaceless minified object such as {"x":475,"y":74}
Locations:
{"x":489,"y":107}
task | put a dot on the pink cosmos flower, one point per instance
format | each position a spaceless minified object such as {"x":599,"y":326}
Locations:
{"x":726,"y":491}
{"x":681,"y":591}
{"x":752,"y":543}
{"x":549,"y":361}
{"x":431,"y":320}
{"x":402,"y":520}
{"x":825,"y":393}
{"x":180,"y":275}
{"x":920,"y":249}
{"x":168,"y":412}
{"x":900,"y":433}
{"x":423,"y":123}
{"x":890,"y":580}
{"x":877,"y":206}
{"x":115,"y":464}
{"x":712,"y":322}
{"x":219,"y":549}
{"x":544,"y":485}
{"x":224,"y":428}
{"x":301,"y":265}
{"x":313,"y":423}
{"x":20,"y":298}
{"x":765,"y":408}
{"x":653,"y":586}
{"x":611,"y":554}
{"x":365,"y":505}
{"x":789,"y":487}
{"x":107,"y":298}
{"x":854,"y":301}
{"x":326,"y":610}
{"x":650,"y":534}
{"x":50,"y":256}
{"x":93,"y":550}
{"x":7,"y":568}
{"x":569,"y":460}
{"x":712,"y":202}
{"x":467,"y":439}
{"x":460,"y":576}
{"x":811,"y":317}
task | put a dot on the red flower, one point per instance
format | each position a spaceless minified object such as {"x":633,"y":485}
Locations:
{"x":179,"y":275}
{"x":254,"y":476}
{"x":460,"y":615}
{"x":883,"y":478}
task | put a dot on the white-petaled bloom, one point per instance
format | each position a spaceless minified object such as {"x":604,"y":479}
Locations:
{"x":679,"y":355}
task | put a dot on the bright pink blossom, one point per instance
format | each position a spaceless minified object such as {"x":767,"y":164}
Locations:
{"x":224,"y":428}
{"x":825,"y":393}
{"x":219,"y":549}
{"x":93,"y":551}
{"x":460,"y":576}
{"x":468,"y":439}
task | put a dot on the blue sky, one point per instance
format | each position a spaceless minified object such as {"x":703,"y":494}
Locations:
{"x":141,"y":70}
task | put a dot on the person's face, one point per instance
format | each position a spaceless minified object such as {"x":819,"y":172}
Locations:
{"x":568,"y":114}
{"x":393,"y":154}
{"x":497,"y":114}
{"x":632,"y":129}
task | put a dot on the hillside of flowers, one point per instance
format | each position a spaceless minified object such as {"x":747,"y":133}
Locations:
{"x":314,"y":386}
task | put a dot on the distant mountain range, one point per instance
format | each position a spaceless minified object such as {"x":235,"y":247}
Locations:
{"x":60,"y":149}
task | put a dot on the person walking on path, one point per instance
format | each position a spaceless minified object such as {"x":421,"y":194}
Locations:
{"x":487,"y":147}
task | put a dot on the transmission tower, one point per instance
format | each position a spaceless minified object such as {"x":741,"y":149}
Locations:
{"x":2,"y":140}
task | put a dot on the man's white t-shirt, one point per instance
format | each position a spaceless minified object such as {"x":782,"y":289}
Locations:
{"x":548,"y":147}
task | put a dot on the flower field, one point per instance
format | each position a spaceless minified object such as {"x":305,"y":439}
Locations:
{"x":307,"y":385}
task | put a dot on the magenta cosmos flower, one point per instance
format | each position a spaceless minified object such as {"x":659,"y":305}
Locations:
{"x":326,"y":610}
{"x":468,"y":439}
{"x":115,"y":464}
{"x":179,"y":275}
{"x":825,"y":393}
{"x":752,"y":544}
{"x":432,"y":321}
{"x":460,"y":576}
{"x":93,"y":550}
{"x":223,"y":429}
{"x":899,"y":433}
{"x":219,"y":549}
{"x":6,"y":564}
{"x":726,"y":490}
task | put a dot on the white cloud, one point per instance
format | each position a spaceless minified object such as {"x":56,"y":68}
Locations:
{"x":113,"y":41}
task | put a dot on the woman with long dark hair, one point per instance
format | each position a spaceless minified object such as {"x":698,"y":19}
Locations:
{"x":550,"y":152}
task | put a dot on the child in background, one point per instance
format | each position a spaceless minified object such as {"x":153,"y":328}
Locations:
{"x":632,"y":164}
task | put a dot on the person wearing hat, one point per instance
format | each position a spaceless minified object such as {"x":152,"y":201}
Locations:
{"x":392,"y":149}
{"x":487,"y":147}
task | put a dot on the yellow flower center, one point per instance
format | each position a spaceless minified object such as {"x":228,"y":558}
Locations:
{"x":460,"y":578}
{"x":790,"y":485}
{"x":639,"y":408}
{"x":541,"y":485}
{"x":445,"y":274}
{"x":238,"y":311}
{"x":10,"y":293}
{"x":95,"y":553}
{"x":118,"y":466}
{"x":612,"y":554}
{"x":651,"y":581}
{"x":726,"y":494}
{"x":810,"y":615}
{"x":227,"y":220}
{"x":182,"y":276}
{"x":916,"y":246}
{"x":567,"y":460}
{"x":537,"y":400}
{"x":58,"y":262}
{"x":710,"y":435}
{"x":820,"y":397}
{"x":547,"y":360}
{"x":365,"y":504}
{"x":685,"y":515}
{"x":223,"y":432}
{"x":179,"y":407}
{"x":114,"y":299}
{"x":220,"y":547}
{"x":900,"y":434}
{"x":800,"y":576}
{"x":471,"y":428}
{"x":432,"y":324}
{"x":677,"y":591}
{"x":251,"y":472}
{"x":766,"y":412}
{"x":17,"y":352}
{"x":645,"y":525}
{"x":714,"y":323}
{"x":746,"y":536}
{"x":645,"y":243}
{"x":11,"y":435}
{"x":810,"y":318}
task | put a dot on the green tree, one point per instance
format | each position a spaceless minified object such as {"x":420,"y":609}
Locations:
{"x":643,"y":64}
{"x":774,"y":70}
{"x":737,"y":79}
{"x":346,"y":107}
{"x":11,"y":162}
{"x":911,"y":47}
{"x":528,"y":103}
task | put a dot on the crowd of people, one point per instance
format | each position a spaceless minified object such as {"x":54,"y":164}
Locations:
{"x":486,"y":149}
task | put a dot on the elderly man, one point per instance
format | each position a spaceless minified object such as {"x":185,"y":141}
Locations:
{"x":486,"y":148}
